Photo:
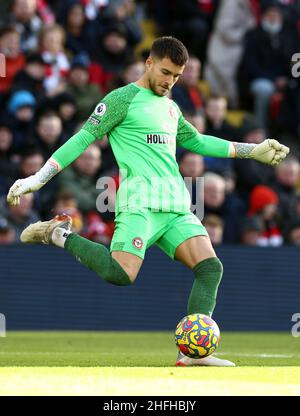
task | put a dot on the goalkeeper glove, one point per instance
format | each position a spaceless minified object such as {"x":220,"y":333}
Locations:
{"x":270,"y":151}
{"x":32,"y":183}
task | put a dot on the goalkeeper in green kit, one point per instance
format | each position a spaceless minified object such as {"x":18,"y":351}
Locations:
{"x":144,"y":127}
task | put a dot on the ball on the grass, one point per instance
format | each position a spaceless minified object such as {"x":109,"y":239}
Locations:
{"x":197,"y":335}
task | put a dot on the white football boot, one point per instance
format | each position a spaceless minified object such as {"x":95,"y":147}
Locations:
{"x":184,"y":361}
{"x":42,"y":231}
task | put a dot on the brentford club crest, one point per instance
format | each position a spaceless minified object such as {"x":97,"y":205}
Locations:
{"x":137,"y":242}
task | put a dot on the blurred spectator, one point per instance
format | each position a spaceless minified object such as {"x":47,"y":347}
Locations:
{"x":186,"y":93}
{"x":51,"y":45}
{"x":121,"y":12}
{"x":227,"y":206}
{"x":191,"y":166}
{"x":7,"y":232}
{"x":217,"y":125}
{"x":7,"y":165}
{"x":31,"y":162}
{"x":97,"y":230}
{"x":214,"y":191}
{"x":287,"y":120}
{"x":91,"y":8}
{"x":287,"y":175}
{"x":266,"y":60}
{"x":86,"y":95}
{"x":6,"y":138}
{"x":263,"y":203}
{"x":21,"y":107}
{"x":230,"y":181}
{"x":131,"y":73}
{"x":291,"y":12}
{"x":197,"y":119}
{"x":23,"y":15}
{"x":66,"y":108}
{"x":19,"y":100}
{"x":225,"y":46}
{"x":250,"y":231}
{"x":249,"y":172}
{"x":215,"y":228}
{"x":20,"y":216}
{"x":79,"y":33}
{"x":292,"y":232}
{"x":192,"y":23}
{"x":14,"y":58}
{"x":65,"y":203}
{"x":48,"y":133}
{"x":111,"y":57}
{"x":80,"y":178}
{"x":31,"y":78}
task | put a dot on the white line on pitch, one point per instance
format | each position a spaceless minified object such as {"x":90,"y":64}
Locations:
{"x":241,"y":354}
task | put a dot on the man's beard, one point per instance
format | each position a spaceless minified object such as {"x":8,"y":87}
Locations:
{"x":155,"y":87}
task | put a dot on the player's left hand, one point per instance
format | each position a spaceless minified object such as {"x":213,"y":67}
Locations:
{"x":270,"y":151}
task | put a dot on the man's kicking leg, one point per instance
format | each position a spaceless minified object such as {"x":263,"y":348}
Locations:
{"x":118,"y":268}
{"x":198,"y":254}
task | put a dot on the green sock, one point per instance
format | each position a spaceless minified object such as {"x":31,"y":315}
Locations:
{"x":98,"y":259}
{"x":208,"y":274}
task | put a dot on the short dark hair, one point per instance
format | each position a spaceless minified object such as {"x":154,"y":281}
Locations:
{"x":35,"y":58}
{"x":5,"y":30}
{"x":170,"y":47}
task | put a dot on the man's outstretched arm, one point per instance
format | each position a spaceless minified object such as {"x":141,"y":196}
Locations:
{"x":65,"y":155}
{"x":269,"y":151}
{"x":107,"y":114}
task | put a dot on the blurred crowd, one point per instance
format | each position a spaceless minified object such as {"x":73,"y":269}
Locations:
{"x":61,"y":58}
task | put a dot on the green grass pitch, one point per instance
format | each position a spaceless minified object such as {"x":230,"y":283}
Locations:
{"x":142,"y":363}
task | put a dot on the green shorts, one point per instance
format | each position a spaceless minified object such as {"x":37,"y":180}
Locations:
{"x":137,"y":231}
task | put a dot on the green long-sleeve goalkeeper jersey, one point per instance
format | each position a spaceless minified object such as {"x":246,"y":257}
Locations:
{"x":143,"y":130}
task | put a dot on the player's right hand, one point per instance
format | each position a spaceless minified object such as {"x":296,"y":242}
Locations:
{"x":22,"y":187}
